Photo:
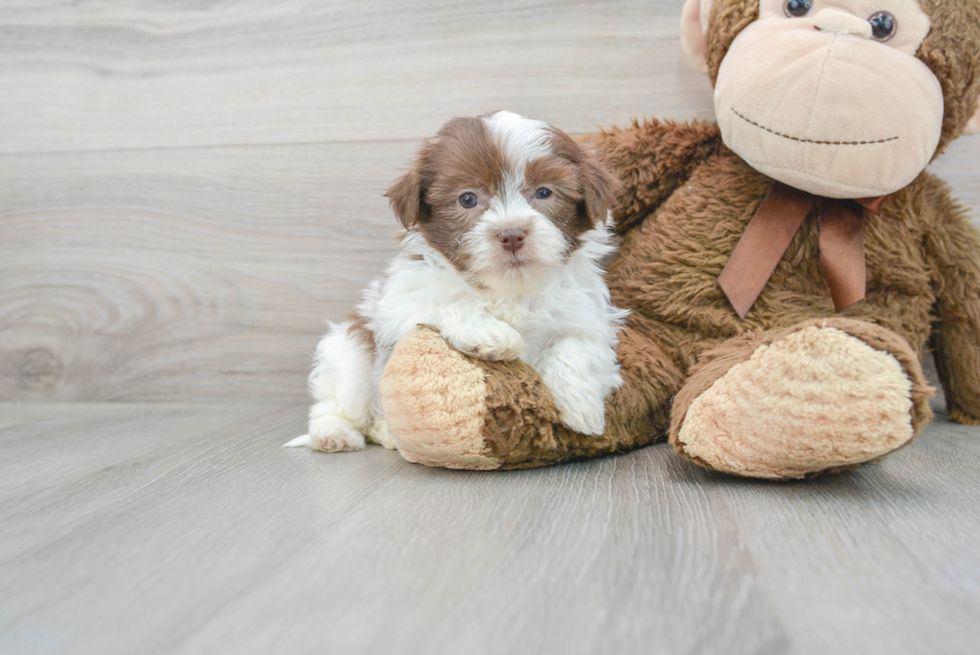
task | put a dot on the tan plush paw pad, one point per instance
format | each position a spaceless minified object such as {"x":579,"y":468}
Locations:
{"x":815,"y":400}
{"x":434,"y":401}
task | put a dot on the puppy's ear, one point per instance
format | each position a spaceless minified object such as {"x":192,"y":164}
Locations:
{"x":407,"y":200}
{"x":599,"y":189}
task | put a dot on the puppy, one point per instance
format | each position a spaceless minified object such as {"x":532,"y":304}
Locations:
{"x":506,"y":222}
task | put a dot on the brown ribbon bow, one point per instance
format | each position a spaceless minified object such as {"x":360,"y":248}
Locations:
{"x":769,"y":233}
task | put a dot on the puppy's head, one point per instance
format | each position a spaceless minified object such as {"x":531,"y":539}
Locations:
{"x":502,"y":197}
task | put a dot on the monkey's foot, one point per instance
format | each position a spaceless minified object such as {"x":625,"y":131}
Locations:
{"x":434,"y":404}
{"x":824,"y":396}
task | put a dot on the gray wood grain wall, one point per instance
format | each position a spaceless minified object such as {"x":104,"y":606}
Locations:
{"x":188,"y":190}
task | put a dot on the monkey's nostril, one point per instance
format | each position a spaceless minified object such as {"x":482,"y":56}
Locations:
{"x":512,"y":240}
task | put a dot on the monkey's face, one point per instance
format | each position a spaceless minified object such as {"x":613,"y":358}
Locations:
{"x":829,"y":97}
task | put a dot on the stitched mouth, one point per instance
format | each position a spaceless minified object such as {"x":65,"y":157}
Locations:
{"x":819,"y":143}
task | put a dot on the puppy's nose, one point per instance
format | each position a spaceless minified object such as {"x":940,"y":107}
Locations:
{"x":512,"y":240}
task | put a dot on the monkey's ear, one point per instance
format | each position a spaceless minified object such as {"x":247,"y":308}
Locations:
{"x":973,"y":126}
{"x":406,"y":199}
{"x":694,"y":24}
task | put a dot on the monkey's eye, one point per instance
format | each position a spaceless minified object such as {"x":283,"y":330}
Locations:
{"x":883,"y":26}
{"x":542,"y":194}
{"x":797,"y":8}
{"x":469,"y":200}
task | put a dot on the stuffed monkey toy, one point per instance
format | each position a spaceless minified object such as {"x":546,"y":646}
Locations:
{"x":785,"y":269}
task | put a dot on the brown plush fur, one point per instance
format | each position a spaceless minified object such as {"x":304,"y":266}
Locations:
{"x":686,"y":203}
{"x":522,"y":427}
{"x":952,"y":52}
{"x":728,"y":18}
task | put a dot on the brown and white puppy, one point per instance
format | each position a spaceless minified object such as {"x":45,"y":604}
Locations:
{"x":506,"y":221}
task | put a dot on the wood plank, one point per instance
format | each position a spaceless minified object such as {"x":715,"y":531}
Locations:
{"x":101,"y":452}
{"x":186,"y":529}
{"x":184,"y":274}
{"x":145,"y":74}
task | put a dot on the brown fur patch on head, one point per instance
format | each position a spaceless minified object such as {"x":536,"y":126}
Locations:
{"x":462,"y":156}
{"x":561,"y":177}
{"x":952,"y":52}
{"x":584,"y":190}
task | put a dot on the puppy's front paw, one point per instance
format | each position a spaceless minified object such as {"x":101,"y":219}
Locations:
{"x":582,"y":412}
{"x":332,"y":434}
{"x":494,"y":341}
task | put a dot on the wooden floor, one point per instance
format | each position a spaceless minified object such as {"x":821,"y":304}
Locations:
{"x":176,"y":528}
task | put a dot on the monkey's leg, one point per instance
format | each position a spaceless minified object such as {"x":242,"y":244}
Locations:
{"x":822,"y":396}
{"x":446,"y":409}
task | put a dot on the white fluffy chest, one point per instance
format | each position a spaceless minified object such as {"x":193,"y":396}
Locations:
{"x":422,"y":288}
{"x":514,"y":315}
{"x":537,"y":323}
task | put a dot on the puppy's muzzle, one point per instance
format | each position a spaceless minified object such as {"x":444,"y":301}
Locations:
{"x":512,"y":240}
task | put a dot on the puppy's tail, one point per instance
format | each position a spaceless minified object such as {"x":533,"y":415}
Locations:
{"x":298,"y":442}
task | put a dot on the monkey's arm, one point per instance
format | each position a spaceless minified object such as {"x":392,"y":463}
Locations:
{"x":954,"y":249}
{"x":652,"y":159}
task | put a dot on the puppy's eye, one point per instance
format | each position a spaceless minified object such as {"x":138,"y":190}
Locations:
{"x":542,"y":194}
{"x":883,"y":26}
{"x":797,"y":8}
{"x":469,"y":200}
